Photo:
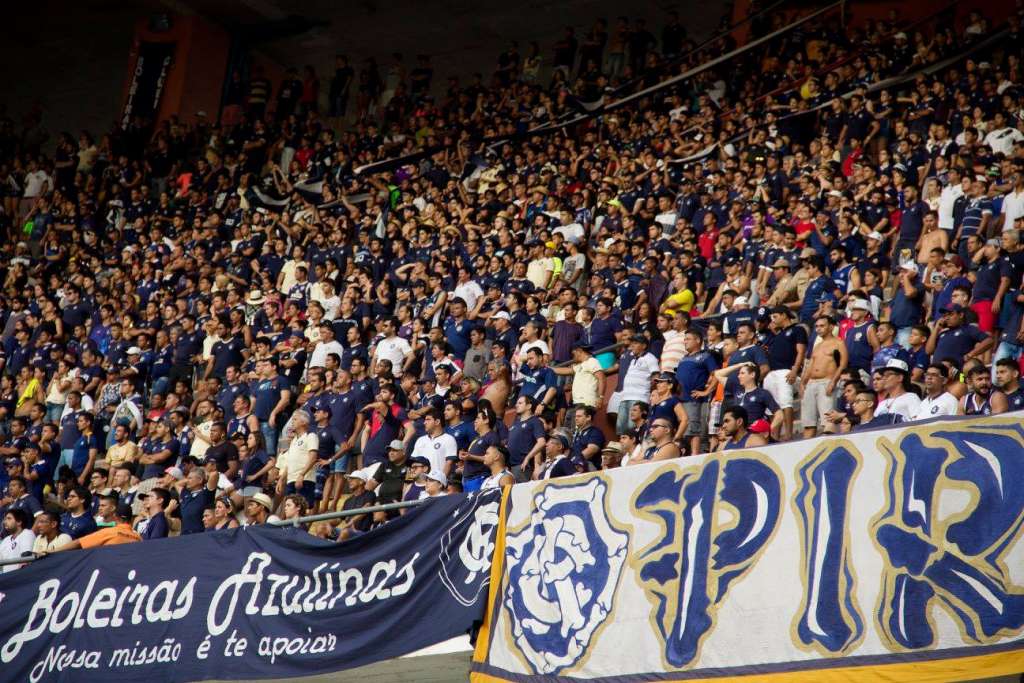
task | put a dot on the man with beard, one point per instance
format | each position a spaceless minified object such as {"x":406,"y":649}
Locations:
{"x":983,"y":399}
{"x":1008,"y":381}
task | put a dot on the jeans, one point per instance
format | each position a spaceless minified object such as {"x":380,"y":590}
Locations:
{"x":1005,"y":350}
{"x":67,"y":456}
{"x":160,"y":386}
{"x":270,"y":437}
{"x":53,"y":412}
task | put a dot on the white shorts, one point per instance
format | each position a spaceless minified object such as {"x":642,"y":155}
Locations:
{"x":815,"y":404}
{"x":782,"y":391}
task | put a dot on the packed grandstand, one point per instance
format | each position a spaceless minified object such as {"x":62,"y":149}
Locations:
{"x":628,"y":246}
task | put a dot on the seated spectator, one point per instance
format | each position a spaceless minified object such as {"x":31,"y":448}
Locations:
{"x":49,"y":536}
{"x":118,"y":533}
{"x":19,"y":539}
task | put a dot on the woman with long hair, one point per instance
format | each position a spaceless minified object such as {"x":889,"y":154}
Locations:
{"x":224,"y":514}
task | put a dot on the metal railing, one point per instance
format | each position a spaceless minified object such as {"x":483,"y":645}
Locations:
{"x":308,"y":519}
{"x":325,"y":516}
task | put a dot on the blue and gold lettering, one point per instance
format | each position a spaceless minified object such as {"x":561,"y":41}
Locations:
{"x":829,"y":621}
{"x":957,"y":563}
{"x":687,"y":571}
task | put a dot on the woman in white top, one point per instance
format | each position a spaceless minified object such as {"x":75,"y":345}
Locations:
{"x":57,"y":392}
{"x":496,"y":458}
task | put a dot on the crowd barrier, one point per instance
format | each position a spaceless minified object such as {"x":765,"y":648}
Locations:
{"x":893,"y":554}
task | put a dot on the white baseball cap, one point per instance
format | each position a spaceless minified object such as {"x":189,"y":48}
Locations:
{"x":438,"y":476}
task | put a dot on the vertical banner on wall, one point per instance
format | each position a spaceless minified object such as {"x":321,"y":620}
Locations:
{"x":894,"y":554}
{"x":149,"y":76}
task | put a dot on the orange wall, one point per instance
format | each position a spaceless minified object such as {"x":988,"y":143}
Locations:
{"x":197,"y":73}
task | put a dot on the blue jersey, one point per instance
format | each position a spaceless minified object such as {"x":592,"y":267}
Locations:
{"x":858,"y":348}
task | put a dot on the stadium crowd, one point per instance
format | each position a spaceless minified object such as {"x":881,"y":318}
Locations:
{"x":212,"y":324}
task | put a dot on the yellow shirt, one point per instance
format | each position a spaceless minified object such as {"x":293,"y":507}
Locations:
{"x":118,"y":454}
{"x":584,"y":382}
{"x":680,"y":301}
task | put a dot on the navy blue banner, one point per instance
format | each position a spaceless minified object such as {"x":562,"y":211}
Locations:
{"x":256,"y":602}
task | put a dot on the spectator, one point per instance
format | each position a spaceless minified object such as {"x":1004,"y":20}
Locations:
{"x":900,"y":404}
{"x":19,"y":538}
{"x":937,"y":400}
{"x":735,"y":431}
{"x":195,"y":494}
{"x":118,"y":533}
{"x":982,"y":399}
{"x":49,"y":536}
{"x":155,"y":506}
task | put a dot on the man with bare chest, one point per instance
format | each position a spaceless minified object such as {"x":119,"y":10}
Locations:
{"x":931,"y":237}
{"x":820,"y":376}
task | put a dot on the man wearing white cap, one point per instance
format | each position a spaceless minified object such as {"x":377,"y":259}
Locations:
{"x":359,"y":497}
{"x":899,"y":404}
{"x":937,"y":400}
{"x":437,"y":485}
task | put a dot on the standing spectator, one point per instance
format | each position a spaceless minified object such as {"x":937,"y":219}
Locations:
{"x":634,"y":368}
{"x":588,"y":376}
{"x":297,"y":463}
{"x":820,"y":377}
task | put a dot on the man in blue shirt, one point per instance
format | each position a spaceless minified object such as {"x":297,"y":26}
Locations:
{"x":525,"y":437}
{"x":952,"y":270}
{"x":587,"y":440}
{"x":953,"y":340}
{"x":456,"y":329}
{"x":539,"y":382}
{"x":907,"y":307}
{"x":155,"y":503}
{"x":196,"y":493}
{"x":819,"y":288}
{"x":976,"y":216}
{"x":694,"y":375}
{"x":76,"y":521}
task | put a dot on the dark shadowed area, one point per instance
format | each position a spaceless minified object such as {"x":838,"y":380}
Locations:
{"x":71,"y":59}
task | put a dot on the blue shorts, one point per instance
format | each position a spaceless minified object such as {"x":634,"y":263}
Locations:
{"x":340,"y":466}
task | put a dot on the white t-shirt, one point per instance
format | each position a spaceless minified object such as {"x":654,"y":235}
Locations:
{"x":469,"y":292}
{"x":943,"y":404}
{"x":636,"y":386}
{"x":319,"y":357}
{"x":573,"y":232}
{"x":34,"y":183}
{"x":1013,"y":208}
{"x":906,"y":405}
{"x":947,"y":199}
{"x":13,"y":547}
{"x":297,"y":455}
{"x":436,"y":449}
{"x":393,"y":349}
{"x":1002,"y":140}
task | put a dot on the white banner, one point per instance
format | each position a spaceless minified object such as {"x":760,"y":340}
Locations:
{"x":891,"y":553}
